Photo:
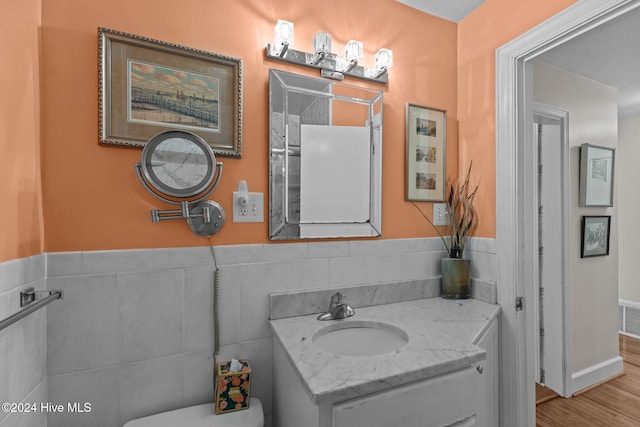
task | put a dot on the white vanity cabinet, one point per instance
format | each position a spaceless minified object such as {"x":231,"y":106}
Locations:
{"x":488,"y":386}
{"x":447,"y":400}
{"x":447,"y":380}
{"x":464,"y":398}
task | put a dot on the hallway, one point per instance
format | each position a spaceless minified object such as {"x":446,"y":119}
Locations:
{"x":612,"y":404}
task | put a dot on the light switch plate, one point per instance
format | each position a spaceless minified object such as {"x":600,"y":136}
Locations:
{"x":440,"y":214}
{"x":252,"y":212}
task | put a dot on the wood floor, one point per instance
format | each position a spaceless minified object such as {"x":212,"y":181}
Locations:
{"x":614,"y":403}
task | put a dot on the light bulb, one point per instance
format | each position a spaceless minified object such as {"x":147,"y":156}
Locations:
{"x":284,"y":36}
{"x":354,"y":50}
{"x":384,"y":59}
{"x":322,"y":43}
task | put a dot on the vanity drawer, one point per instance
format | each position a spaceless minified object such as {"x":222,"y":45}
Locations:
{"x":448,"y":400}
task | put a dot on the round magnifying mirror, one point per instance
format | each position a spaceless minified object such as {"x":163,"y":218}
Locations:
{"x":178,"y":163}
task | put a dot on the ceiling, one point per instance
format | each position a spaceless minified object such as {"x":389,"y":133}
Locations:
{"x":609,"y":54}
{"x":452,"y":10}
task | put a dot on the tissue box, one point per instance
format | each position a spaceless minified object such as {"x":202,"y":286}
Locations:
{"x":232,"y":388}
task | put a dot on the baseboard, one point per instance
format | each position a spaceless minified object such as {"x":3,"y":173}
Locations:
{"x":591,"y":387}
{"x":596,"y":374}
{"x":628,"y":334}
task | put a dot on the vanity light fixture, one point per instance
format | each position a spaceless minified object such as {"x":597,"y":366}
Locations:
{"x":353,"y":52}
{"x":321,"y":46}
{"x":322,"y":43}
{"x":330,"y":64}
{"x":384,"y":61}
{"x":284,"y":37}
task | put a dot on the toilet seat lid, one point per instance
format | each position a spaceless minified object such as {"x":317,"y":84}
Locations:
{"x":204,"y":416}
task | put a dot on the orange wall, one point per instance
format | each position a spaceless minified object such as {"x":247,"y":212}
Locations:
{"x":21,"y":223}
{"x":490,"y":26}
{"x":92,"y":199}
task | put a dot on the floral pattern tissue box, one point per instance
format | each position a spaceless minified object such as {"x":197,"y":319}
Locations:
{"x":232,"y":388}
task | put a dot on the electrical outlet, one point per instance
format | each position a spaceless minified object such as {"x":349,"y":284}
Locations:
{"x":252,"y":211}
{"x":440,"y":214}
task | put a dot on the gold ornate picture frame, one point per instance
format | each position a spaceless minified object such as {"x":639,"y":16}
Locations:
{"x":149,"y":86}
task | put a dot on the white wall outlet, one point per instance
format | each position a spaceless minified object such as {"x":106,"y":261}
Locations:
{"x":251,"y":211}
{"x":440,"y":214}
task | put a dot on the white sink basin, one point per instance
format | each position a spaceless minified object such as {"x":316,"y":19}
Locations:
{"x":356,"y":338}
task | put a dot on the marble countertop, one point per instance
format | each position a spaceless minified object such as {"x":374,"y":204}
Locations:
{"x":442,"y":335}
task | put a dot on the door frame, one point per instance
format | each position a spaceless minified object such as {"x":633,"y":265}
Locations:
{"x":564,"y":353}
{"x":514,"y":187}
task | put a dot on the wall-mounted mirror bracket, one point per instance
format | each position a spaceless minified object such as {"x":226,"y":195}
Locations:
{"x":179,"y":168}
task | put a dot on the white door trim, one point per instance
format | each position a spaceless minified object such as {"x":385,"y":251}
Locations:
{"x":513,"y":189}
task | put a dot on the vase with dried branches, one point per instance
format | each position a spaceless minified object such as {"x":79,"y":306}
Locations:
{"x":462,"y":219}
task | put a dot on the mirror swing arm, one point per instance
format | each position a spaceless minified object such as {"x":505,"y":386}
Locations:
{"x":204,"y":217}
{"x":186,"y":206}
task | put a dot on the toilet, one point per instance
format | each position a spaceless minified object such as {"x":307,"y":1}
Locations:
{"x":204,"y":416}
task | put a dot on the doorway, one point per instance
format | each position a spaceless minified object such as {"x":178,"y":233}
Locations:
{"x":516,"y":196}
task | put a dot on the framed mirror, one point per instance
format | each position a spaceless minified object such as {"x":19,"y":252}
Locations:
{"x":325,"y":148}
{"x":178,"y":163}
{"x":179,"y":168}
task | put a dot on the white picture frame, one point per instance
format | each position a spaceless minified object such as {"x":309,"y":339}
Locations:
{"x":426,"y":133}
{"x":597,"y":167}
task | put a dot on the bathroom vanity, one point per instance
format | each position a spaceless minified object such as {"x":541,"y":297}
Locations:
{"x":441,"y":368}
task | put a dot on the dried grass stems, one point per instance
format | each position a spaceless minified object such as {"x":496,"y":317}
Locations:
{"x":460,"y":213}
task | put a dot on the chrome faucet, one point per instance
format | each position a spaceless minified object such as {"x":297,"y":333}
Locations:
{"x":337,"y":309}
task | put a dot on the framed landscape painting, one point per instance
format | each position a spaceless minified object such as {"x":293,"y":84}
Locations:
{"x":148,"y":86}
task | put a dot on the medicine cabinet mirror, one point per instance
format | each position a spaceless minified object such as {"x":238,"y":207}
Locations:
{"x":325,"y":158}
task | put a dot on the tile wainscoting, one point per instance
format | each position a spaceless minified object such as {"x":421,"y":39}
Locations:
{"x":134,"y":333}
{"x":23,"y":351}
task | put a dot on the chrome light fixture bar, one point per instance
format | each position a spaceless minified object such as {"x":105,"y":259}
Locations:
{"x":330,"y":64}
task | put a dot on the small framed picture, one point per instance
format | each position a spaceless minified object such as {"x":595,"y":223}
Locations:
{"x":426,"y":144}
{"x":596,"y":175}
{"x":595,"y":235}
{"x":149,"y":86}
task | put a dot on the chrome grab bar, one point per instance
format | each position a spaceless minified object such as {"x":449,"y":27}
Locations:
{"x":30,"y":304}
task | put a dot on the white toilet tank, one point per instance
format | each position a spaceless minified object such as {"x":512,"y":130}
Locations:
{"x":204,"y":416}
